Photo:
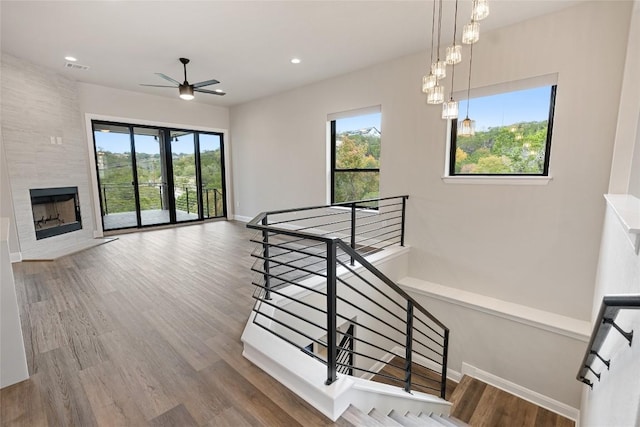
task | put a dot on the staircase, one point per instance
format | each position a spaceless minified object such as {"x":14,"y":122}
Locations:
{"x":327,"y":320}
{"x":394,"y":418}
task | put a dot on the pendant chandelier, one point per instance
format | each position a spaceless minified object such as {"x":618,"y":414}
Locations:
{"x":450,"y":108}
{"x":432,"y":82}
{"x":438,"y":67}
{"x":429,"y":81}
{"x":467,"y":126}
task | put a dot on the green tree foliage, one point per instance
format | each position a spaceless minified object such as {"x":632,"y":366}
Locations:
{"x":116,"y":179}
{"x":356,"y":151}
{"x":515,"y":149}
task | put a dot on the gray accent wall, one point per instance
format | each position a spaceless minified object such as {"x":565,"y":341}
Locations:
{"x":39,"y":104}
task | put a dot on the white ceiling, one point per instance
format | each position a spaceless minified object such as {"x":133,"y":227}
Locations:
{"x":247,"y":45}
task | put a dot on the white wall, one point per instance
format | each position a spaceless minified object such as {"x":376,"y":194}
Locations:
{"x":101,"y":100}
{"x":6,"y":202}
{"x":615,"y":400}
{"x":532,"y":245}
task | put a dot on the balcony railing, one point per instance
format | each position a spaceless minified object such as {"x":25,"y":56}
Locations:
{"x":117,"y":198}
{"x":315,"y":289}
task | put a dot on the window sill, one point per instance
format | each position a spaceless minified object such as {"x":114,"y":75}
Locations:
{"x":498,"y":180}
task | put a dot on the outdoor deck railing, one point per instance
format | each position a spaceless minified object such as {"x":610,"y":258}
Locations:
{"x":121,"y":198}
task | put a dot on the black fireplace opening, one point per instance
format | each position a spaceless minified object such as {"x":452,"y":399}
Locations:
{"x":55,"y":211}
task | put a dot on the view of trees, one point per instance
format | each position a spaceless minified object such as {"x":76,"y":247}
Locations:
{"x":117,"y":191}
{"x":514,"y":149}
{"x":357,"y":150}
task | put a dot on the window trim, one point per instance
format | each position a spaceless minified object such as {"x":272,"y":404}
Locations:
{"x":332,"y":118}
{"x":452,"y":177}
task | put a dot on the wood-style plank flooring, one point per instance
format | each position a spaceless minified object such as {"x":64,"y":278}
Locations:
{"x":146,"y":330}
{"x":482,"y":405}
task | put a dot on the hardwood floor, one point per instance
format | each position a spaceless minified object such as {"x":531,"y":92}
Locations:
{"x":482,"y":405}
{"x":146,"y":330}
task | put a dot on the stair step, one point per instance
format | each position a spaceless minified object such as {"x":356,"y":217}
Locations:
{"x":358,"y":418}
{"x":407,"y":422}
{"x":382,"y":418}
{"x":428,"y":421}
{"x":443,"y":420}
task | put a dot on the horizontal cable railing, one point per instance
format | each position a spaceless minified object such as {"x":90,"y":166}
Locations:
{"x":609,"y":309}
{"x":117,"y":198}
{"x":314,"y":287}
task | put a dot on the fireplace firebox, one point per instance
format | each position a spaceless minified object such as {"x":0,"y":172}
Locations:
{"x":55,"y":211}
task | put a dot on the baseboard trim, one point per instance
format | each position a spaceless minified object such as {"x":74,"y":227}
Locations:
{"x":241,"y":218}
{"x":522,"y":392}
{"x":15,"y":257}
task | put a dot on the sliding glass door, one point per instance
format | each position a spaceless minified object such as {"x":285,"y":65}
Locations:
{"x":152,"y":176}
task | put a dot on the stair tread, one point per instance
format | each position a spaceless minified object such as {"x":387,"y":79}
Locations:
{"x":358,"y":418}
{"x":443,"y":420}
{"x":457,"y":422}
{"x":428,"y":421}
{"x":382,"y":418}
{"x":407,"y":422}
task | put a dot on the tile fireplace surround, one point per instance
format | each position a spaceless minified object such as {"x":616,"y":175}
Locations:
{"x":45,"y":147}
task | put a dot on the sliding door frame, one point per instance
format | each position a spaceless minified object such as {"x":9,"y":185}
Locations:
{"x":166,"y":128}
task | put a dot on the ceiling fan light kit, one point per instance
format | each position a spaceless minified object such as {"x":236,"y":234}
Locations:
{"x":185,"y":89}
{"x":186,"y":92}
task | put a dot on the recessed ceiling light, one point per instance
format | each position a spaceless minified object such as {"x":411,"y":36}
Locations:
{"x":70,"y":58}
{"x":295,"y":60}
{"x":218,"y":90}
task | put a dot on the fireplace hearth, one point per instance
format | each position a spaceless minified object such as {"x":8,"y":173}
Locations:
{"x":55,"y":211}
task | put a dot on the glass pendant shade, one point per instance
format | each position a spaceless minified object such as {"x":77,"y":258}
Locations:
{"x":435,"y":95}
{"x":454,"y":54}
{"x":471,"y":33}
{"x":480,"y":10}
{"x":439,"y":69}
{"x":467,"y":127}
{"x":450,"y":109}
{"x":428,"y":82}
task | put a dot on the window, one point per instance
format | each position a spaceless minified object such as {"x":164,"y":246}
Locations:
{"x":512,"y":133}
{"x":355,"y":156}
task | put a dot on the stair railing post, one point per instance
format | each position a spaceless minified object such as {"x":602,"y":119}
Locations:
{"x":215,"y":202}
{"x":353,"y":230}
{"x":332,"y":350}
{"x":445,"y":351}
{"x":408,"y":348}
{"x":404,"y":210}
{"x":187,"y":191}
{"x":265,"y":254}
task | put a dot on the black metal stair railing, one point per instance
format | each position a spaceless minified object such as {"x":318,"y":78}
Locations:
{"x":609,"y":309}
{"x":312,"y":279}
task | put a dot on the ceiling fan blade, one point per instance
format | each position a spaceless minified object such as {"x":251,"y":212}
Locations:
{"x":206,"y":83}
{"x":213,"y":92}
{"x":157,"y":85}
{"x":164,"y":76}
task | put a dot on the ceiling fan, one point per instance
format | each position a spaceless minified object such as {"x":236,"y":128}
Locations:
{"x":186,"y":90}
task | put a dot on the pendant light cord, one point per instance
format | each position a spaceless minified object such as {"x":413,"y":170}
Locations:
{"x":439,"y":27}
{"x":433,"y":26}
{"x":453,"y":66}
{"x":469,"y":87}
